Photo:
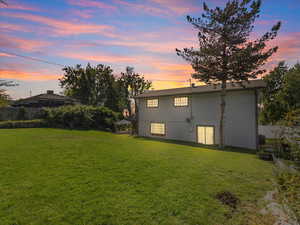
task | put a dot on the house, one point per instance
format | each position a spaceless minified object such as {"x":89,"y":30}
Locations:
{"x":193,"y":114}
{"x":48,"y":99}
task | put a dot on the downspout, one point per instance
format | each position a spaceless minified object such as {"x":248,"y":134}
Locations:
{"x":256,"y":118}
{"x":191,"y":113}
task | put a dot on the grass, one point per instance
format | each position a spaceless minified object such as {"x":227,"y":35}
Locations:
{"x":64,"y":177}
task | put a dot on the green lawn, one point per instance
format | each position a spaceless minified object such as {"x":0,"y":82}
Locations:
{"x":63,"y":177}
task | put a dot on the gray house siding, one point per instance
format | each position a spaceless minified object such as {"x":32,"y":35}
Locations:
{"x":204,"y":109}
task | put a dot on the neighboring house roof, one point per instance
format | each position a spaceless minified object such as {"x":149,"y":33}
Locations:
{"x":252,"y":84}
{"x":47,"y":99}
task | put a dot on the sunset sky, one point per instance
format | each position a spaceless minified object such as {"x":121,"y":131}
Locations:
{"x":119,"y":33}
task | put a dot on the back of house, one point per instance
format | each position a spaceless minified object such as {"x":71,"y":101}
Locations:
{"x":192,"y":114}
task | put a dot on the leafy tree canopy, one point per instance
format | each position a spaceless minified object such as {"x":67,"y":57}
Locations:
{"x":133,"y":84}
{"x":98,"y":86}
{"x":4,"y":97}
{"x":282,"y":93}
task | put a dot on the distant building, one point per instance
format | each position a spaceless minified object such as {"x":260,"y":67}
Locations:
{"x":49,"y":99}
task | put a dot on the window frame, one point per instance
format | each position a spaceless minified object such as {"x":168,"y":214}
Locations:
{"x":149,"y":99}
{"x":214,"y":135}
{"x":174,"y":99}
{"x":165,"y":129}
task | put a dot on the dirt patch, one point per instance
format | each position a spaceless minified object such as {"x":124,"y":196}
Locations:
{"x":229,"y":199}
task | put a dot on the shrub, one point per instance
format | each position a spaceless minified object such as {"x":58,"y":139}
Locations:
{"x":81,"y":117}
{"x":22,"y":124}
{"x":289,"y":189}
{"x":21,"y":114}
{"x":123,"y":127}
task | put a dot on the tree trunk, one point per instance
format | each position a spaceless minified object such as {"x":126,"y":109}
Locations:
{"x":222,"y":112}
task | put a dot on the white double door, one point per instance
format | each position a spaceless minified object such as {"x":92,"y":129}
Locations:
{"x":205,"y":135}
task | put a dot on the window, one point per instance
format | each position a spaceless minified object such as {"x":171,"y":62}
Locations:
{"x":181,"y":101}
{"x":157,"y":128}
{"x":152,"y":103}
{"x":205,"y":135}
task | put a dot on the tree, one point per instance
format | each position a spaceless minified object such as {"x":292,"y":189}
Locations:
{"x":90,"y":85}
{"x":132,"y":85}
{"x":4,"y":97}
{"x":282,"y":93}
{"x":226,"y":53}
{"x":272,"y":108}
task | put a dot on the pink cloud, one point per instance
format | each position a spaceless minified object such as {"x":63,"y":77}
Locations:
{"x":18,"y":6}
{"x":97,"y":57}
{"x":94,"y":4}
{"x":85,"y":14}
{"x":61,"y":27}
{"x":8,"y":41}
{"x":179,"y":7}
{"x":13,"y":27}
{"x":143,"y":8}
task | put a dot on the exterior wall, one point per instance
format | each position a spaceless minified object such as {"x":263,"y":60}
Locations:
{"x":204,"y":109}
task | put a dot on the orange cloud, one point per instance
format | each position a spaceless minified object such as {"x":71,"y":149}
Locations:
{"x":30,"y":76}
{"x":2,"y":54}
{"x":91,"y":3}
{"x":60,"y":27}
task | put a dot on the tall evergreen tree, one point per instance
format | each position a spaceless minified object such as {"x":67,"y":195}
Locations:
{"x":226,"y":53}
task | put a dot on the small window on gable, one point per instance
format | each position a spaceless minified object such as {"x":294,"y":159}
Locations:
{"x":158,"y":129}
{"x":152,"y":103}
{"x":181,"y":101}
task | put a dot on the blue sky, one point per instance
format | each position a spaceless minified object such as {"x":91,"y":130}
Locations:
{"x":119,"y":33}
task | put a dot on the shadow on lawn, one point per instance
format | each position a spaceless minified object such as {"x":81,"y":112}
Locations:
{"x":192,"y":144}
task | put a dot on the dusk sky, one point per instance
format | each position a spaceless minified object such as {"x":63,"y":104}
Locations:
{"x":119,"y":33}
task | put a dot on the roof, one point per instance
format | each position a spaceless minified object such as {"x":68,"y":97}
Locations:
{"x":38,"y":99}
{"x":252,"y":84}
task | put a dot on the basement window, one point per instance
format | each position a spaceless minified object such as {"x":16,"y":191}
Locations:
{"x":158,"y":129}
{"x":181,"y":101}
{"x":152,"y":103}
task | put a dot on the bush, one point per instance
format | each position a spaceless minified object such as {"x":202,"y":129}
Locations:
{"x":289,"y":189}
{"x":81,"y":117}
{"x":123,"y":127}
{"x":21,"y":114}
{"x":22,"y":124}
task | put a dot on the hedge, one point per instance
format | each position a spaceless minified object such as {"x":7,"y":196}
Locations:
{"x":81,"y":117}
{"x":22,"y":124}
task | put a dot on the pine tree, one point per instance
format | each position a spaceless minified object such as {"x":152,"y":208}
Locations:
{"x":226,"y":53}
